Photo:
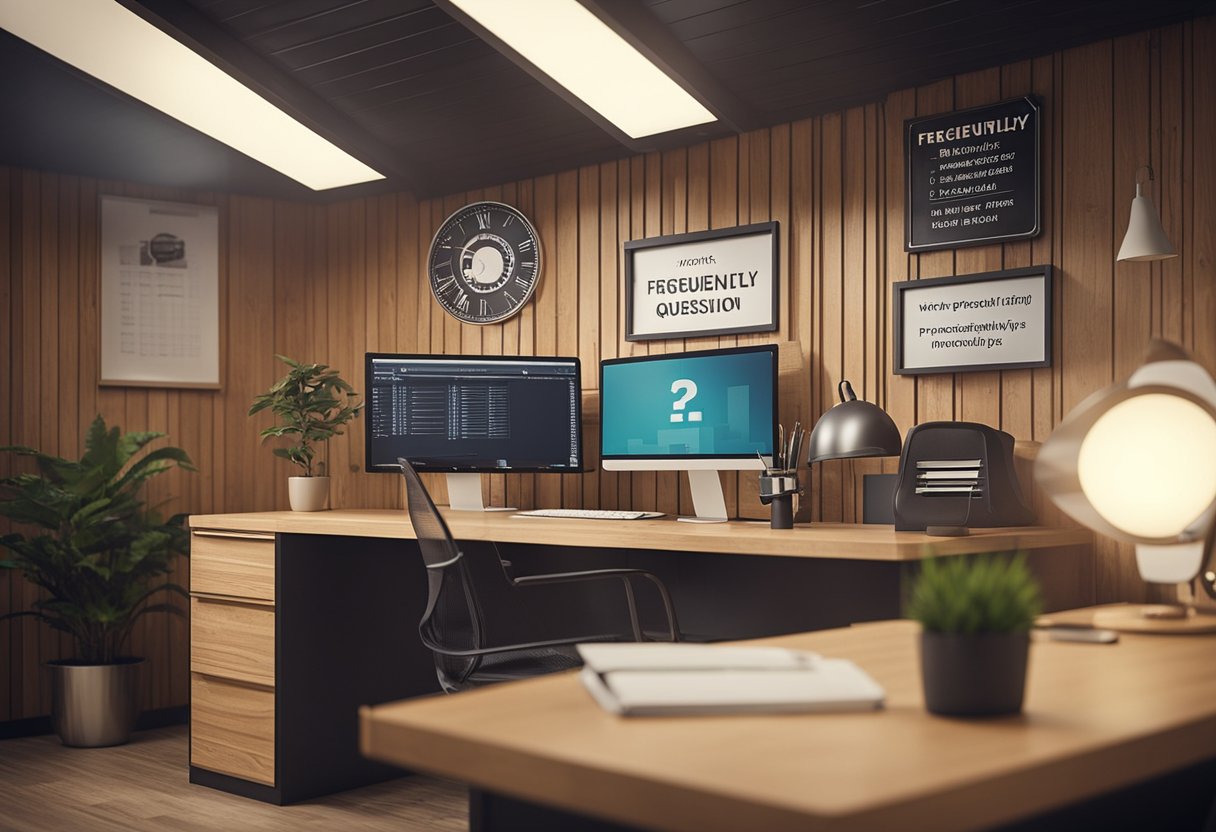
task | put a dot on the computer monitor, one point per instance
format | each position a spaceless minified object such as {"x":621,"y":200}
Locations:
{"x":700,"y":412}
{"x":464,"y":415}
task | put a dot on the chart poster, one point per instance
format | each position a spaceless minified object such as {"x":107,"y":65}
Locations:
{"x":718,"y":282}
{"x":990,"y":321}
{"x":159,"y":294}
{"x":973,"y":176}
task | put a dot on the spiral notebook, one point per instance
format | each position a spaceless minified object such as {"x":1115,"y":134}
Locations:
{"x":700,"y":679}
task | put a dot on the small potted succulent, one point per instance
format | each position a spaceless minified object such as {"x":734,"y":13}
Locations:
{"x":312,"y":403}
{"x":102,"y":558}
{"x":976,"y":613}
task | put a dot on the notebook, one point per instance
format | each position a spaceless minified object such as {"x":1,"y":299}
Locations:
{"x":701,"y":679}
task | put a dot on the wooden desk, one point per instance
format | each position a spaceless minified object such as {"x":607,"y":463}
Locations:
{"x":1097,"y":717}
{"x":818,"y":540}
{"x":297,"y":619}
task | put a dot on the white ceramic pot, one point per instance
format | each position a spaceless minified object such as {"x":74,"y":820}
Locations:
{"x":308,"y":493}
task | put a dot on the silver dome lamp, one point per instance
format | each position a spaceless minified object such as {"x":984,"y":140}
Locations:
{"x":853,"y":429}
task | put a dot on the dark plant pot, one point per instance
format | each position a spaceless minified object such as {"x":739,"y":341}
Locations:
{"x":94,"y":705}
{"x":974,"y":675}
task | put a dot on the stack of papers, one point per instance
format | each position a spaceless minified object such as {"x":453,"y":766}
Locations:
{"x":673,"y":679}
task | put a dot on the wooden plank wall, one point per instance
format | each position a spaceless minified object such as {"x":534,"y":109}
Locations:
{"x":329,"y":282}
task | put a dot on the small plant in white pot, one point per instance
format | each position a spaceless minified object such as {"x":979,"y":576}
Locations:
{"x":310,"y":403}
{"x":976,"y":613}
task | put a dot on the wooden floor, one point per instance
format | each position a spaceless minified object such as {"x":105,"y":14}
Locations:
{"x":143,"y":786}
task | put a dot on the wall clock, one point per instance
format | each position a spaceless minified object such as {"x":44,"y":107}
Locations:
{"x":484,"y":262}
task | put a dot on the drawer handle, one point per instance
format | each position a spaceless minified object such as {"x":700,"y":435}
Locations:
{"x":238,"y":535}
{"x":231,"y":600}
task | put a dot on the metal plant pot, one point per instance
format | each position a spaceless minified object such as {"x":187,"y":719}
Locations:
{"x":94,"y":705}
{"x":974,"y":675}
{"x":308,"y":493}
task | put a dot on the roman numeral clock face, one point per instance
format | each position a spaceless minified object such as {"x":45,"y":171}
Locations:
{"x":484,"y":262}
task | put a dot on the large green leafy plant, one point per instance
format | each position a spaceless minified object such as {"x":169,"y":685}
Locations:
{"x":970,"y":595}
{"x":311,"y":402}
{"x":102,"y":555}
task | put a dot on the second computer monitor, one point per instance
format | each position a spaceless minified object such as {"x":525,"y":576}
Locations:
{"x":465,"y":415}
{"x":697,"y":411}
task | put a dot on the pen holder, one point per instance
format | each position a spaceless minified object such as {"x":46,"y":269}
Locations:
{"x":780,"y":489}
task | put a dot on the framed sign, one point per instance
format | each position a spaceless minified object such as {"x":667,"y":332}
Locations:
{"x":159,"y":294}
{"x":719,"y":282}
{"x":973,"y":176}
{"x":990,"y":321}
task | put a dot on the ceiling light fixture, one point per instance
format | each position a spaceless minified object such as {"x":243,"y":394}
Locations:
{"x":120,"y":48}
{"x":565,"y":41}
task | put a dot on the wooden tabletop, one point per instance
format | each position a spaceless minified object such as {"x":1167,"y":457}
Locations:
{"x":815,"y":540}
{"x":1097,"y":717}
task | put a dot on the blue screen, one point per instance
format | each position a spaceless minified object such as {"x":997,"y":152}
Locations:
{"x":726,"y":411}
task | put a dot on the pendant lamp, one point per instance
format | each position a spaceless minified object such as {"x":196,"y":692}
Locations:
{"x":1145,"y":239}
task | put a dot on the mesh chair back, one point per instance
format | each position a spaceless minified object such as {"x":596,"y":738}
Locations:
{"x":453,"y":620}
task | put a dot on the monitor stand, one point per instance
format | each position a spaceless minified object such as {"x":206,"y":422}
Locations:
{"x":464,"y":494}
{"x":708,"y":501}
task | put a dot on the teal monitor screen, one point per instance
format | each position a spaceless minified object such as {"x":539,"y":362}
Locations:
{"x":715,"y":404}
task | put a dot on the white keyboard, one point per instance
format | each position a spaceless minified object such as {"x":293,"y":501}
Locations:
{"x":590,"y":514}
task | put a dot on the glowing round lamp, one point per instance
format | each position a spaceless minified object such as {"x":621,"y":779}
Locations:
{"x":1137,"y":462}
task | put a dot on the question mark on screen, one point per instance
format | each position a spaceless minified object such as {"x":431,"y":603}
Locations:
{"x":689,"y":387}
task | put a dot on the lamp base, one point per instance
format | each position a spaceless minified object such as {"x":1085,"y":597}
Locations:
{"x":1147,"y":618}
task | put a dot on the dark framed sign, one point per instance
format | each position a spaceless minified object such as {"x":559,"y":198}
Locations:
{"x":973,"y":176}
{"x":720,"y":282}
{"x":990,"y":321}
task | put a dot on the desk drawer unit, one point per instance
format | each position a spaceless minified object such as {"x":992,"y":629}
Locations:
{"x":232,"y":654}
{"x":290,"y":634}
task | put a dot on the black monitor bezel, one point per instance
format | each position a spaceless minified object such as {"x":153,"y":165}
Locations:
{"x":634,"y":359}
{"x":369,"y":357}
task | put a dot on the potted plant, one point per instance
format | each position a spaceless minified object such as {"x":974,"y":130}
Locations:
{"x":976,"y":614}
{"x":311,"y":402}
{"x":102,"y":557}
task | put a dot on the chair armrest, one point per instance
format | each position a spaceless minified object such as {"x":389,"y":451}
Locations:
{"x":589,"y":575}
{"x":624,"y":575}
{"x":507,"y":648}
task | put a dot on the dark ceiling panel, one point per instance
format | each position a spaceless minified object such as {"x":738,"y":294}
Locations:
{"x":59,"y":120}
{"x":405,"y":86}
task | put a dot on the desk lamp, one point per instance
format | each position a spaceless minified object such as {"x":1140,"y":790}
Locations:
{"x":1137,"y":462}
{"x":853,"y":429}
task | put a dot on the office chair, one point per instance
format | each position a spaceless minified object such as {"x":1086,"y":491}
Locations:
{"x":453,"y":626}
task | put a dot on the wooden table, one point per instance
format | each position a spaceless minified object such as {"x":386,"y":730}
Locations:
{"x":300,"y":618}
{"x":1097,"y":717}
{"x":813,"y":540}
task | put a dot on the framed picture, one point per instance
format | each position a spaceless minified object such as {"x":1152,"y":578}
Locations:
{"x":720,"y":282}
{"x":973,"y":176}
{"x":991,"y":321}
{"x":159,"y":294}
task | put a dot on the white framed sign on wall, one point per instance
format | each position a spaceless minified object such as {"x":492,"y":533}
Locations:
{"x":720,"y":282}
{"x":159,"y":294}
{"x":991,"y":321}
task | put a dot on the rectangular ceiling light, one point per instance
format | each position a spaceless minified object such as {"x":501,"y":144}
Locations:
{"x":117,"y":46}
{"x":580,"y":52}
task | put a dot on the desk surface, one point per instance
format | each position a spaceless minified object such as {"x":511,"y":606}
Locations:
{"x":818,"y":540}
{"x":1097,"y":717}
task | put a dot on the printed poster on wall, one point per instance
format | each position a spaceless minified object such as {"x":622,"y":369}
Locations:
{"x":705,"y":283}
{"x":990,"y":321}
{"x":159,"y":294}
{"x":973,"y":176}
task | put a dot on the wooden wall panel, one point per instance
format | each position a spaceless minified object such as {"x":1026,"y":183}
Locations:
{"x":328,"y":282}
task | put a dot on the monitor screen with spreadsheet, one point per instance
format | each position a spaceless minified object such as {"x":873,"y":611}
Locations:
{"x":473,"y":414}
